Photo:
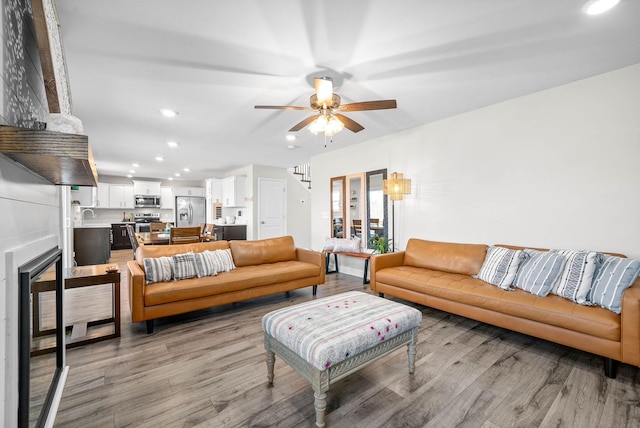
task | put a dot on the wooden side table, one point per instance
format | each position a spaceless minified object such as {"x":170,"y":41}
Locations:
{"x":77,"y":277}
{"x":365,"y":256}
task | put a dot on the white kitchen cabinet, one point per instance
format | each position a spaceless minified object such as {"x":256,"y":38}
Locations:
{"x":234,"y":191}
{"x":149,"y":188}
{"x":213,"y":188}
{"x":166,"y":198}
{"x":102,"y":196}
{"x":188,"y":191}
{"x":120,"y":196}
{"x":84,"y":195}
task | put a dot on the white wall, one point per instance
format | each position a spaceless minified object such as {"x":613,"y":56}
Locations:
{"x":30,"y":210}
{"x":559,"y":168}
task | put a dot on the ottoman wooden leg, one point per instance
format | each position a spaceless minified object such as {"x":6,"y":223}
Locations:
{"x":411,"y":351}
{"x":320,"y":404}
{"x":271,"y":360}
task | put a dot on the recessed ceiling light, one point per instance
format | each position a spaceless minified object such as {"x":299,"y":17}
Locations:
{"x":159,"y":158}
{"x":166,"y":112}
{"x":129,"y":175}
{"x":596,"y":7}
{"x":135,"y":165}
{"x":291,"y":137}
{"x":177,"y":174}
{"x":186,"y":170}
{"x":132,"y":171}
{"x":291,"y":146}
{"x":170,"y":178}
{"x":172,"y":144}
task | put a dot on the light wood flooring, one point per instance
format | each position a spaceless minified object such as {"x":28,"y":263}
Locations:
{"x":208,"y":369}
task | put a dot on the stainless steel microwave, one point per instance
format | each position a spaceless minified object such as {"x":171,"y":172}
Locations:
{"x":147,"y":201}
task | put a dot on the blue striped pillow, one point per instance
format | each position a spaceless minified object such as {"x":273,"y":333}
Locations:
{"x":157,"y":269}
{"x":612,"y":278}
{"x":184,"y":266}
{"x":205,"y":264}
{"x":500,"y":266}
{"x":577,"y":275}
{"x":539,"y":272}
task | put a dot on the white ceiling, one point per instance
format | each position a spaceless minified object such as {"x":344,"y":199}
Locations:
{"x":212,"y":61}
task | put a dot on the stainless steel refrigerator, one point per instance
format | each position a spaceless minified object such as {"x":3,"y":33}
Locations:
{"x":190,"y":211}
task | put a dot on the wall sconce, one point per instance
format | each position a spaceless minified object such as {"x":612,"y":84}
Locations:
{"x":395,"y":187}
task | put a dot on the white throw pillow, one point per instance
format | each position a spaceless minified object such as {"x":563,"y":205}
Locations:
{"x":205,"y":264}
{"x":184,"y":266}
{"x":347,"y":245}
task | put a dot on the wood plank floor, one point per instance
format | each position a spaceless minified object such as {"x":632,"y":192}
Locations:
{"x":207,"y":369}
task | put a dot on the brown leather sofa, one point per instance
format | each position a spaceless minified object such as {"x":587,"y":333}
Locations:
{"x":263,"y":267}
{"x":439,"y":275}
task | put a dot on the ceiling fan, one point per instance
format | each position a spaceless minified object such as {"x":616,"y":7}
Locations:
{"x":329,"y":118}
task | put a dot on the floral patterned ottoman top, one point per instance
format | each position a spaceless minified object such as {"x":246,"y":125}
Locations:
{"x":327,"y":331}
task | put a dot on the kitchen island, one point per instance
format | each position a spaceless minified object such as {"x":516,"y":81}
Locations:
{"x":92,"y":244}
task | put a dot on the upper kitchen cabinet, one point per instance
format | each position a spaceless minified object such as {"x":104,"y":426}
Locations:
{"x":166,"y":198}
{"x":188,"y":191}
{"x":234,"y":191}
{"x":150,"y":188}
{"x":213,"y":188}
{"x":84,"y":196}
{"x":120,"y":196}
{"x":102,"y":196}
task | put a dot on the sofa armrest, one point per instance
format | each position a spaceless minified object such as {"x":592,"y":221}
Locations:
{"x":137,"y":282}
{"x":314,"y":257}
{"x":629,"y":322}
{"x":381,"y":261}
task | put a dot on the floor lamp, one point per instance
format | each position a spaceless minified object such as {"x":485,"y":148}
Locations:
{"x":396,"y":187}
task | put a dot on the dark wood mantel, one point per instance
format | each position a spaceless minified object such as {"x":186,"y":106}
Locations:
{"x":58,"y":157}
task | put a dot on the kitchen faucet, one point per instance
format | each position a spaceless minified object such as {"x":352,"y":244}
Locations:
{"x":93,"y":215}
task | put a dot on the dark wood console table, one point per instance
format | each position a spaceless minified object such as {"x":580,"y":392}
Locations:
{"x":365,"y":256}
{"x":76,"y":277}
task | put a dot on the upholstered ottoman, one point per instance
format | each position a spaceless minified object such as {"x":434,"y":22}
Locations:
{"x":327,"y":339}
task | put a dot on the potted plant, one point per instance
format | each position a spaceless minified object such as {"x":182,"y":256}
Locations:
{"x":379,"y":244}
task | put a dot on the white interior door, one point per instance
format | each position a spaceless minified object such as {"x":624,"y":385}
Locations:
{"x":272,"y":208}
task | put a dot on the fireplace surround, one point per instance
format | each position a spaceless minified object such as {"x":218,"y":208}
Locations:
{"x":37,"y":405}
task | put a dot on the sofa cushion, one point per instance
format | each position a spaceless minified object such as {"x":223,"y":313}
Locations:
{"x":183,"y":266}
{"x":539,"y":272}
{"x":158,"y":269}
{"x":576,"y":278}
{"x":241,"y":278}
{"x":465,"y":259}
{"x":500,"y":266}
{"x":612,"y":278}
{"x":552,"y":309}
{"x":247,"y":253}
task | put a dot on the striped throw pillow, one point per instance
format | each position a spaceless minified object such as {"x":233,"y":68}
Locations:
{"x":205,"y":264}
{"x":611,"y":279}
{"x":184,"y":266}
{"x":500,"y":266}
{"x":223,"y":259}
{"x":539,"y":272}
{"x":157,"y":269}
{"x":577,"y":275}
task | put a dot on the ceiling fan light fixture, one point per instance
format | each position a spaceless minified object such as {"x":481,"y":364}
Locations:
{"x":324,"y":90}
{"x":334,"y":125}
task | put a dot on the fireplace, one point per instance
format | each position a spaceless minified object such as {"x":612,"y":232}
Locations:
{"x":38,"y":400}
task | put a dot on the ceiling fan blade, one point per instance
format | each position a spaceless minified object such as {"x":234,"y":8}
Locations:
{"x":350,"y":124}
{"x":369,"y":105}
{"x":304,"y":123}
{"x":285,"y":107}
{"x":324,"y":89}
